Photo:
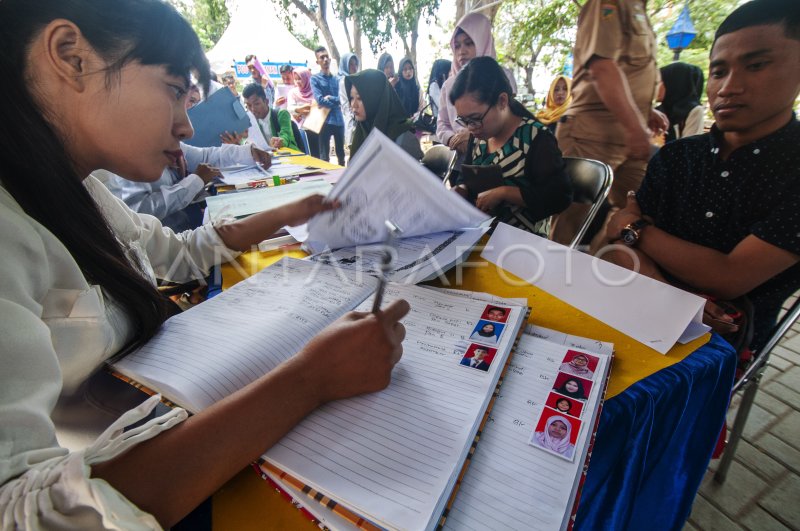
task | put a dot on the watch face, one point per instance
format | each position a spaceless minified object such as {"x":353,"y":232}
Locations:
{"x":629,"y":236}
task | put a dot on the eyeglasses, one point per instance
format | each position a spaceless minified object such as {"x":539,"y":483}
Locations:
{"x":473,"y":123}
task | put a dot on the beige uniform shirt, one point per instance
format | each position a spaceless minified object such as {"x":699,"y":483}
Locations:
{"x":618,"y":30}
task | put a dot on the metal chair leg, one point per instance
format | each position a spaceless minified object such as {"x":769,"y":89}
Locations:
{"x":748,"y":397}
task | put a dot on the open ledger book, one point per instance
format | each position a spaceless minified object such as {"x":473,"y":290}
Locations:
{"x":512,"y":481}
{"x":393,"y":456}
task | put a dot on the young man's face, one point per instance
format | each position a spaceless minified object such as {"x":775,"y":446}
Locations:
{"x":287,"y":77}
{"x":324,"y":60}
{"x":258,"y":106}
{"x":754,"y":79}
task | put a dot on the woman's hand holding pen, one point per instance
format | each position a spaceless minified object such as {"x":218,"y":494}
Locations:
{"x":356,"y":354}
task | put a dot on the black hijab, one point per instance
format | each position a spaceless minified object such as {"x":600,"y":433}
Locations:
{"x":408,"y":89}
{"x":439,"y":71}
{"x":683,"y":85}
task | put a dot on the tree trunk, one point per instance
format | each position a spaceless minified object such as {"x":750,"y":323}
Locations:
{"x":468,"y":6}
{"x":357,"y":40}
{"x":318,"y":18}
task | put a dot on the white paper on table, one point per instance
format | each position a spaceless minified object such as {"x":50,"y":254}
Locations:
{"x":383,"y":183}
{"x":418,"y":259}
{"x":240,"y":204}
{"x":654,"y":313}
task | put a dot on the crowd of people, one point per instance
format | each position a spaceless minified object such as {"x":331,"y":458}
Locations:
{"x":91,"y":87}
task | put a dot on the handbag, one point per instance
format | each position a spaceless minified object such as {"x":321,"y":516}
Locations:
{"x":316,"y":118}
{"x":425,"y":121}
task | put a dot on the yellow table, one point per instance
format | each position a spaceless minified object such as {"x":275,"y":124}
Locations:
{"x":247,"y":502}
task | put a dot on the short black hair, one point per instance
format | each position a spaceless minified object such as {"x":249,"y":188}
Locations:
{"x":320,"y":49}
{"x":763,"y":12}
{"x":286,"y":68}
{"x":254,"y":89}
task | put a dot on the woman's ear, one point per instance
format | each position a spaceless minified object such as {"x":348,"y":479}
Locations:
{"x":66,"y":53}
{"x":502,"y":101}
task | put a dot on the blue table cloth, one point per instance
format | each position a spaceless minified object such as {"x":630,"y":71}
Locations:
{"x":654,"y":443}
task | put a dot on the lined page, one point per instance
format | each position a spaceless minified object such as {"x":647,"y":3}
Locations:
{"x":206,"y":353}
{"x":511,"y":484}
{"x":393,"y":456}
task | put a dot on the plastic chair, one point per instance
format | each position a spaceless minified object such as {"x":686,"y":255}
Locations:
{"x":438,"y":160}
{"x":299,"y":131}
{"x":591,"y":181}
{"x":748,"y":383}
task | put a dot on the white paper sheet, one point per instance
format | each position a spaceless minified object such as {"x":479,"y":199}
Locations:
{"x":651,"y":312}
{"x":240,"y":204}
{"x":382,"y":182}
{"x":417,"y":259}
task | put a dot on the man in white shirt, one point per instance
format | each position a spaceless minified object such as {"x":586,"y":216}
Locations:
{"x":175,"y":197}
{"x":269,"y":127}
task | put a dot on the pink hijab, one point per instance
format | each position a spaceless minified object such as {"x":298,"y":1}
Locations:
{"x":303,"y":92}
{"x":479,"y":29}
{"x":261,"y":70}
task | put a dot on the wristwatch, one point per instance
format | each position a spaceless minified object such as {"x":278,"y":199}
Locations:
{"x":631,"y":233}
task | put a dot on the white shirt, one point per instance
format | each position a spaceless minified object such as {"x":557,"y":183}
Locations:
{"x":260,"y":131}
{"x":168,"y":196}
{"x":57,"y":331}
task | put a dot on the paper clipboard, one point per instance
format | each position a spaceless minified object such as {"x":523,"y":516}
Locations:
{"x":220,"y":112}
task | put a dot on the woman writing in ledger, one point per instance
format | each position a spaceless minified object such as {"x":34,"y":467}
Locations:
{"x":505,"y":135}
{"x":578,"y":366}
{"x":79,"y":279}
{"x":486,"y":334}
{"x":375,"y":105}
{"x":556,"y":436}
{"x":572,"y":388}
{"x":558,"y":99}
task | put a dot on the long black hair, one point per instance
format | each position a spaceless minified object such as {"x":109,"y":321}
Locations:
{"x":439,"y":71}
{"x":35,"y":167}
{"x":485,"y":79}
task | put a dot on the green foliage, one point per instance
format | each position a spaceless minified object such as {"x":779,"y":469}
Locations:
{"x":382,"y":19}
{"x":530,"y":32}
{"x":209,"y":18}
{"x":706,"y":16}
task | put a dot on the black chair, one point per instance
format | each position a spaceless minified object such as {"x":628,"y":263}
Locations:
{"x":439,"y":159}
{"x":748,"y":383}
{"x":591,"y":181}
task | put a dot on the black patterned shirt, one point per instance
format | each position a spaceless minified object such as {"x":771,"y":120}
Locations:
{"x":695,"y":195}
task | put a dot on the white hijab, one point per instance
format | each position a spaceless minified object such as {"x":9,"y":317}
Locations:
{"x":561,"y":446}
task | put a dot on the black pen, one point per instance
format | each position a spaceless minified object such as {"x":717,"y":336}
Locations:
{"x":386,"y":263}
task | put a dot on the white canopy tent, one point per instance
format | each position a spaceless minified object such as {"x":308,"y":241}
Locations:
{"x":256,"y":28}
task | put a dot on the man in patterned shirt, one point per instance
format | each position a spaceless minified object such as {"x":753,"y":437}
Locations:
{"x":717,"y":213}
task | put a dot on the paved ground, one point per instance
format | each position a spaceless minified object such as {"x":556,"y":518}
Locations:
{"x":762,"y":491}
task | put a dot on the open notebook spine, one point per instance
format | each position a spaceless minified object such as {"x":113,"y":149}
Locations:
{"x":143,"y":388}
{"x":585,"y":468}
{"x":262,"y":467}
{"x":481,"y":427}
{"x":288,"y":497}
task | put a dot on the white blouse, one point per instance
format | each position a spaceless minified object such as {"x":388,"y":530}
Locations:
{"x":57,"y":331}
